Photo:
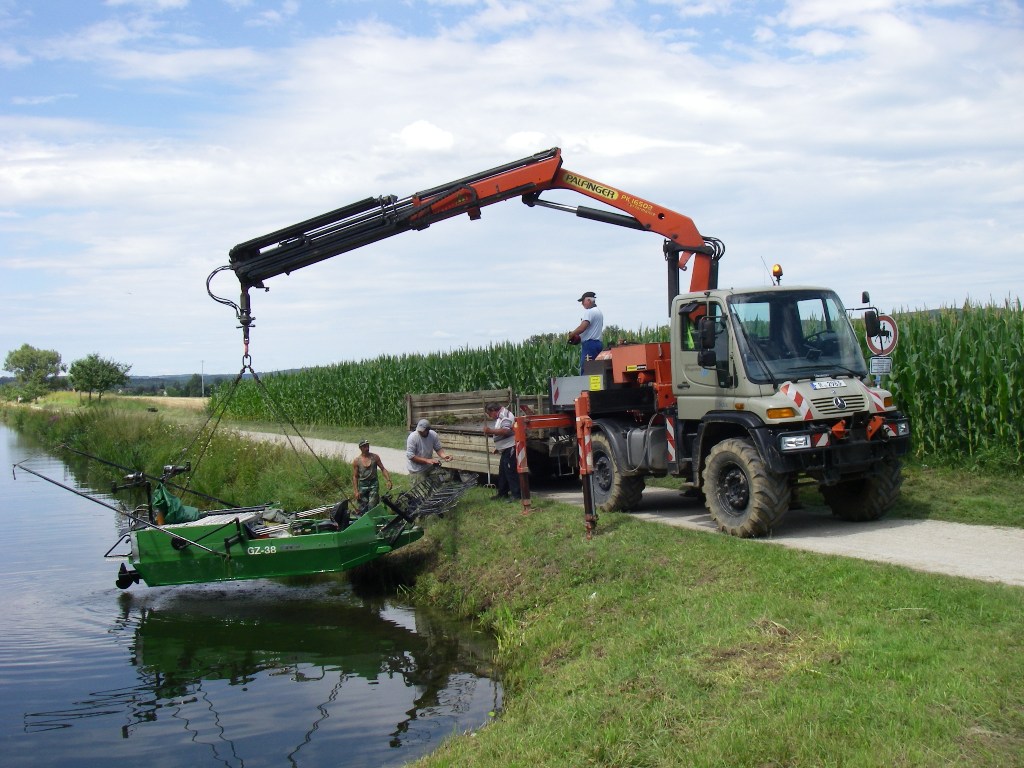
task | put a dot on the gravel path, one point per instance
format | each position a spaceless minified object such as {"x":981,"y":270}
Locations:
{"x":986,"y":553}
{"x":978,"y":552}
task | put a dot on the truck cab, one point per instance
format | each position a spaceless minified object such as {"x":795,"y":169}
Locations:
{"x":757,"y":392}
{"x":753,"y":341}
{"x":771,"y":387}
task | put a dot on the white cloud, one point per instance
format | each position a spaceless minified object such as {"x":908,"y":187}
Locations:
{"x":865,"y":146}
{"x":11,"y":58}
{"x":140,"y":48}
{"x":276,"y":16}
{"x":36,"y":101}
{"x":425,"y":136}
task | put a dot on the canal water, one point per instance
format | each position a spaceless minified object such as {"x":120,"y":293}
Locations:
{"x":256,"y":673}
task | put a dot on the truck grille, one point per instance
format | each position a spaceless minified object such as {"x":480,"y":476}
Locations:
{"x":826,"y":406}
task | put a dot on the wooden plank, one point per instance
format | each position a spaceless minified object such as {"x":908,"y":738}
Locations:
{"x":452,"y":407}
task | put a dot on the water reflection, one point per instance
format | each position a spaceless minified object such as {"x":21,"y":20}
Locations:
{"x":243,"y":673}
{"x":213,"y":663}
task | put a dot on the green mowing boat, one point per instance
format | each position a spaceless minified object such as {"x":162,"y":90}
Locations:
{"x":227,"y":545}
{"x":169,"y":543}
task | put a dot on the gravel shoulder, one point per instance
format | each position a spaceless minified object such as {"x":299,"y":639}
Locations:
{"x":984,"y":553}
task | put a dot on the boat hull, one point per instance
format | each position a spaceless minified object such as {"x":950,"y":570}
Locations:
{"x":168,"y":555}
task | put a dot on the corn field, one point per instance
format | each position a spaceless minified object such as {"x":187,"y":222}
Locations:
{"x":958,"y":374}
{"x":372,"y":392}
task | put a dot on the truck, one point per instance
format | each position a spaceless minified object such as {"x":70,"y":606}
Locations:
{"x":757,"y":391}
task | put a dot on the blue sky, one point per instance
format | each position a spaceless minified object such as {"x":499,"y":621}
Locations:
{"x":868,"y":144}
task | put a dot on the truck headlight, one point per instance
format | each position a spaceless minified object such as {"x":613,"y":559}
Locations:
{"x":794,"y":442}
{"x":902,"y":428}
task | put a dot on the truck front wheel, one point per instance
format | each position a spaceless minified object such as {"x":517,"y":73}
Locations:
{"x":612,"y":491}
{"x":743,"y":497}
{"x":866,"y":498}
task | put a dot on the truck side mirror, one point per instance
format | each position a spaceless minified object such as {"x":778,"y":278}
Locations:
{"x":871,"y":325}
{"x":865,"y":297}
{"x":707,"y":333}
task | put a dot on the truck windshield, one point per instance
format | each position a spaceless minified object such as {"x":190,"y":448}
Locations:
{"x":795,"y":334}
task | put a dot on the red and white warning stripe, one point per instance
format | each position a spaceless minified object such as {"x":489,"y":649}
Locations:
{"x":803,"y":407}
{"x":670,"y":433}
{"x":586,"y":455}
{"x":877,"y":400}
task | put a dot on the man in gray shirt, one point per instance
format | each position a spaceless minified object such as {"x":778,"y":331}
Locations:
{"x":420,"y":448}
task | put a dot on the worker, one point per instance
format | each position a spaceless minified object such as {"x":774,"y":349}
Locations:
{"x":504,"y":443}
{"x":588,"y":332}
{"x":420,"y":448}
{"x":365,"y":483}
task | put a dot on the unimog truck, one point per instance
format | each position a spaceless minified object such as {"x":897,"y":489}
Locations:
{"x":757,"y":391}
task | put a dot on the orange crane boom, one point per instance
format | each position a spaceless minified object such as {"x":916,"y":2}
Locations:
{"x":368,"y":221}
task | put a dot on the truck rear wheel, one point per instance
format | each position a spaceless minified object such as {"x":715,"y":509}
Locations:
{"x":743,"y":497}
{"x":612,"y":491}
{"x":866,"y":498}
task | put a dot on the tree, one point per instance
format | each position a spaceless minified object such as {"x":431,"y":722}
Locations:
{"x":194,"y":387}
{"x":95,"y":374}
{"x":35,"y":370}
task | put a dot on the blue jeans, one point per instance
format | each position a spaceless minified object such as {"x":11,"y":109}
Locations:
{"x":588,"y":351}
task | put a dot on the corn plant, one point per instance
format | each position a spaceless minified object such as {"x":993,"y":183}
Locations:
{"x":959,"y":375}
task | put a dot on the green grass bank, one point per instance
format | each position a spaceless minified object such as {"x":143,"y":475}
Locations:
{"x":655,"y":646}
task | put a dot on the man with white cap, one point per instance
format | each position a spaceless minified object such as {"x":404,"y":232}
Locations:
{"x":420,"y":448}
{"x":588,"y":333}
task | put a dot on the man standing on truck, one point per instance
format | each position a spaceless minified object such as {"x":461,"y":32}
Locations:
{"x":588,"y":332}
{"x":504,"y":444}
{"x":420,"y":448}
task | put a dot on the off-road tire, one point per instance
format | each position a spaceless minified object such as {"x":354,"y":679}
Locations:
{"x":743,"y":497}
{"x":866,"y":498}
{"x":612,"y":491}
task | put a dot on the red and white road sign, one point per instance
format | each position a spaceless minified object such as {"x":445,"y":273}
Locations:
{"x":885,"y":342}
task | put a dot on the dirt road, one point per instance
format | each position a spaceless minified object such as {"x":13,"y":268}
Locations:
{"x":972,"y":551}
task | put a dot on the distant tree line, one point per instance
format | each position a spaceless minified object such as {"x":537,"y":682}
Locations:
{"x":38,"y":371}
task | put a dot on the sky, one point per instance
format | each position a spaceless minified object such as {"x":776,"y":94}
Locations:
{"x":864,"y":145}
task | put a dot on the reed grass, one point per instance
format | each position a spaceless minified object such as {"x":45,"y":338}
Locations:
{"x":225,"y":465}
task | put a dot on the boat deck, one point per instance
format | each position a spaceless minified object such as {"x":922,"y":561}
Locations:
{"x":249,"y":515}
